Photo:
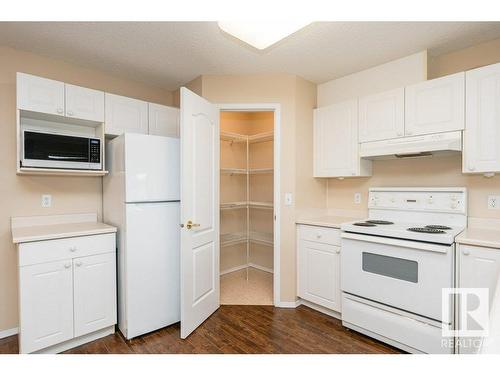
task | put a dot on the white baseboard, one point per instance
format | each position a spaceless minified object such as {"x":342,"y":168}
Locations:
{"x":234,"y":269}
{"x":9,"y":332}
{"x":58,"y":348}
{"x":243,"y":266}
{"x":288,"y":305}
{"x":262,"y":268}
{"x":321,"y":309}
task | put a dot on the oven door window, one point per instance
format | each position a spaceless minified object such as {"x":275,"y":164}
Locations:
{"x":42,"y":146}
{"x":397,"y":268}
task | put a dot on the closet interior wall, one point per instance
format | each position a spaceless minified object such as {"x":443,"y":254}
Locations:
{"x":246,"y":191}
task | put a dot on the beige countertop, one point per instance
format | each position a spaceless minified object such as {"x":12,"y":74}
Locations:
{"x":325,"y":221}
{"x":479,"y":237}
{"x":54,"y":231}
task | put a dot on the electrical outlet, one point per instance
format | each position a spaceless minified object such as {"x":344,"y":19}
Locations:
{"x":288,"y":199}
{"x":46,"y":200}
{"x":493,"y":202}
{"x":357,"y":198}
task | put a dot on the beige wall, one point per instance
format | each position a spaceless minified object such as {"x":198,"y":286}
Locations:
{"x":20,"y":195}
{"x":297,"y":99}
{"x":397,"y":73}
{"x":465,"y":59}
{"x":195,"y":86}
{"x":445,"y":171}
{"x":433,"y":172}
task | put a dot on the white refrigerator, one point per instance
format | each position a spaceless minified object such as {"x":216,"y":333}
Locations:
{"x":141,"y":196}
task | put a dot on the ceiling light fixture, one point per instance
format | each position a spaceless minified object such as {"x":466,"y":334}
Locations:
{"x":262,"y":34}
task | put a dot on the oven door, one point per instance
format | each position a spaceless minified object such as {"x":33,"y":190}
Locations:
{"x":404,"y":274}
{"x":46,"y":150}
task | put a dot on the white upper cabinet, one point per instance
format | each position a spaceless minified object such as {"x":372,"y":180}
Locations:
{"x":40,"y":94}
{"x":381,"y":116}
{"x":84,"y":103}
{"x":336,"y":141}
{"x":125,"y":115}
{"x":435,"y":106}
{"x":482,"y":127}
{"x":163,"y":120}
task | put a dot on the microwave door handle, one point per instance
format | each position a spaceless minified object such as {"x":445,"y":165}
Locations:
{"x":54,"y":157}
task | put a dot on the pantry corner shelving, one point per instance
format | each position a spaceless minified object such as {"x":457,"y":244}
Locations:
{"x":247,"y":236}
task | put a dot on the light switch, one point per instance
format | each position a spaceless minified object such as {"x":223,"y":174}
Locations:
{"x":288,"y":199}
{"x":494,"y":202}
{"x":357,"y":198}
{"x":46,"y":200}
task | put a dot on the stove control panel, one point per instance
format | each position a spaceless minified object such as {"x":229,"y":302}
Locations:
{"x":452,"y":200}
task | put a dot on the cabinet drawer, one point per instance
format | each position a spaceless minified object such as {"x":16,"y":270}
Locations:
{"x":65,"y":248}
{"x":329,"y":236}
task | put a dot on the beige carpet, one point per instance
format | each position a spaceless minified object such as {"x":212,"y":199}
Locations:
{"x":235,"y":289}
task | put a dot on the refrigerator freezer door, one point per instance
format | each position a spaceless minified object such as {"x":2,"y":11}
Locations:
{"x":152,"y":166}
{"x":152,"y":267}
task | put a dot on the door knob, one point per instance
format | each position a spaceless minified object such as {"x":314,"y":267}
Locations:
{"x":190,"y":225}
{"x":466,"y":252}
{"x":67,"y":265}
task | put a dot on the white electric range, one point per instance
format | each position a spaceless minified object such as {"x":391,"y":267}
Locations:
{"x":395,"y":264}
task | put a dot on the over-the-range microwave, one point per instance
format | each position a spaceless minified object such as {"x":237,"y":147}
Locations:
{"x":61,"y":151}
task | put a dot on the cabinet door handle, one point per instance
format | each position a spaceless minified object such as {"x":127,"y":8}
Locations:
{"x":318,"y":236}
{"x":59,"y":110}
{"x":72,"y":249}
{"x":67,"y":265}
{"x":70,"y":113}
{"x":337,"y":251}
{"x":466,"y":252}
{"x":78,"y":264}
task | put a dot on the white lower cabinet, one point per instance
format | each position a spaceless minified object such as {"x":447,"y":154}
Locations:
{"x":46,"y":301}
{"x":94,"y":293}
{"x":65,"y":296}
{"x":318,"y":266}
{"x":479,"y":267}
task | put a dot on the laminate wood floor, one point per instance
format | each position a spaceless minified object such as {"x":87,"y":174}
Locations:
{"x":239,"y":330}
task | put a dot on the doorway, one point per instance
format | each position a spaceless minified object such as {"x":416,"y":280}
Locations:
{"x":249,"y":166}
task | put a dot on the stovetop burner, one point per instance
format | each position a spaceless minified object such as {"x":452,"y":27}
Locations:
{"x":442,"y":227}
{"x":426,"y":230}
{"x":381,"y":222}
{"x":364,"y":224}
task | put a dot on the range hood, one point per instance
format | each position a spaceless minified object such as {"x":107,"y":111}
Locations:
{"x":409,"y":147}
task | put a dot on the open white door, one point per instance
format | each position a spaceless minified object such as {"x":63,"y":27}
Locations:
{"x":199,"y":210}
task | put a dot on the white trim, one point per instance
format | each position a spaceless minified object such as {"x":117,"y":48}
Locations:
{"x":77,"y":341}
{"x":321,"y":309}
{"x":9,"y":332}
{"x":289,"y":305}
{"x":261,"y":268}
{"x":276,"y":108}
{"x":233,"y":269}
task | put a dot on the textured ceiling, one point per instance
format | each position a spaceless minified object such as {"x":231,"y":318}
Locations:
{"x":169,"y":54}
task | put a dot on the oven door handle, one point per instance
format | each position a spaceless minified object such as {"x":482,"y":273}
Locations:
{"x":436,"y":248}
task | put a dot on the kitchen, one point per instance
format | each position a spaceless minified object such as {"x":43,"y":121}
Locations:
{"x":411,"y":142}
